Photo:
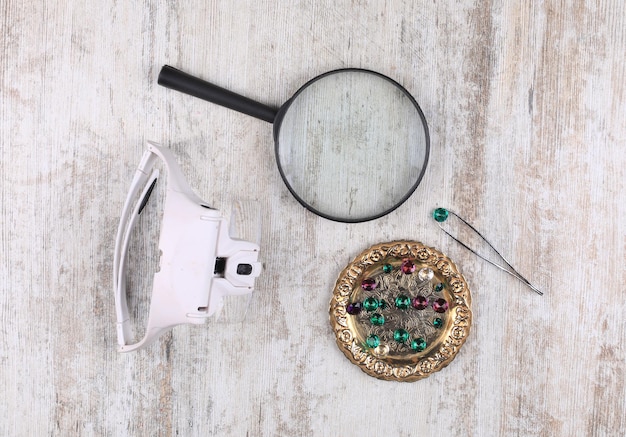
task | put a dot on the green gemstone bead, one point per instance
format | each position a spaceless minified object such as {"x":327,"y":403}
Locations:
{"x":377,"y":319}
{"x":437,"y":322}
{"x":371,"y":304}
{"x":372,"y":341}
{"x":439,"y":287}
{"x":419,"y":344}
{"x":440,"y":214}
{"x":400,"y":335}
{"x":402,"y":302}
{"x":383,"y":304}
{"x":387,"y":268}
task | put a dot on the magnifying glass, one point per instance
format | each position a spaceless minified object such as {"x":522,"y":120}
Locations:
{"x":351,"y":145}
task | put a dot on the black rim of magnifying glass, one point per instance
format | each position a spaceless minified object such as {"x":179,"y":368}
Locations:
{"x":281,"y":115}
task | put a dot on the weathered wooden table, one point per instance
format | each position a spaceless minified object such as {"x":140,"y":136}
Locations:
{"x":527,"y":113}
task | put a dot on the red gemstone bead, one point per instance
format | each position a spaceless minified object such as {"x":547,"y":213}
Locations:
{"x":420,"y":302}
{"x":368,"y":284}
{"x":408,"y":266}
{"x":440,"y":305}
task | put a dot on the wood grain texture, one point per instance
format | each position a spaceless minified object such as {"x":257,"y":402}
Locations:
{"x":526,"y":106}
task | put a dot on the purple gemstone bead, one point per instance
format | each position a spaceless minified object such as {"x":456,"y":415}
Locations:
{"x":368,"y":284}
{"x":420,"y":302}
{"x":407,"y":267}
{"x":440,"y":305}
{"x":354,"y":308}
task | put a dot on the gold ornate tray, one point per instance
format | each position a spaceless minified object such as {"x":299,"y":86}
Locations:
{"x":401,"y":311}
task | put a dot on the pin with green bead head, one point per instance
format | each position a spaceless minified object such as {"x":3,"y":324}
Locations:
{"x":441,"y":215}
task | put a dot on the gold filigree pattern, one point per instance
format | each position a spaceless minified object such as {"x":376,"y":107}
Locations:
{"x":395,"y":359}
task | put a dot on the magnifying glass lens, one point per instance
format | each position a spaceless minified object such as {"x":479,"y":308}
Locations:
{"x":352,"y":145}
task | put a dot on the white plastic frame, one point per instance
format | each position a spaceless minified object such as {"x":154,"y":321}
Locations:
{"x":186,"y":287}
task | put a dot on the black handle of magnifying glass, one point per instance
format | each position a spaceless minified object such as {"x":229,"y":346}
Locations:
{"x":175,"y":79}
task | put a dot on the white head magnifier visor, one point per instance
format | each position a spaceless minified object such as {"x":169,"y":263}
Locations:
{"x":199,"y":264}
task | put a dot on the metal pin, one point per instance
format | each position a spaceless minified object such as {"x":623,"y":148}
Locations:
{"x":441,"y":215}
